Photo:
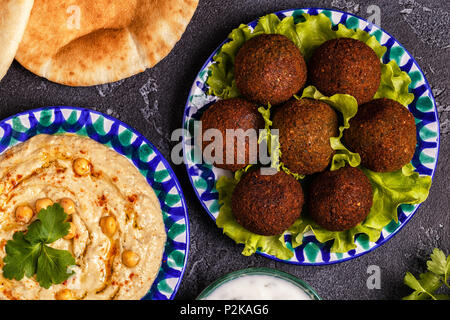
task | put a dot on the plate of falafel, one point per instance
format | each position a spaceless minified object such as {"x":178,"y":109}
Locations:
{"x":346,"y":131}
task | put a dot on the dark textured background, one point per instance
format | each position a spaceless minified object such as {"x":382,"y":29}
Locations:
{"x":153,"y":103}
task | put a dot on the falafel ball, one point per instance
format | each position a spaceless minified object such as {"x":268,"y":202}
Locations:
{"x":267,"y":204}
{"x":339,"y":200}
{"x":383,"y":132}
{"x":233,"y":114}
{"x":305,"y":128}
{"x":269,"y":68}
{"x":345,"y":65}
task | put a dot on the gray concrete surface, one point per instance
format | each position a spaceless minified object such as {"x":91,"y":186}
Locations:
{"x":153,"y":103}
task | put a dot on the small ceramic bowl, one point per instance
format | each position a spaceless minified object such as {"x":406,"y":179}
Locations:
{"x":303,"y":286}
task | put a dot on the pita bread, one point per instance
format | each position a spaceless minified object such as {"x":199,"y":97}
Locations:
{"x":14,"y":16}
{"x":86,"y":42}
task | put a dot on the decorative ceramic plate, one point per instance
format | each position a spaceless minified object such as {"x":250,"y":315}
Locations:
{"x":126,"y":141}
{"x":204,"y":177}
{"x":306,"y":288}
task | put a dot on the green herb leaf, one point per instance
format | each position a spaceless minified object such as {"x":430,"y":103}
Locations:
{"x":21,"y":257}
{"x":308,"y":33}
{"x":438,"y":263}
{"x":391,"y":189}
{"x":53,"y":266}
{"x":347,"y":106}
{"x":430,"y":281}
{"x":27,"y":254}
{"x":49,"y":227}
{"x":423,"y":288}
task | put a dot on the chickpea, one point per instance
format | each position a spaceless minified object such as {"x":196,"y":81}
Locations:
{"x":130,"y":258}
{"x":81,"y":166}
{"x":43,"y":204}
{"x":68,"y":205}
{"x":108,"y":225}
{"x":24,"y":214}
{"x":72,"y":232}
{"x":64,"y":294}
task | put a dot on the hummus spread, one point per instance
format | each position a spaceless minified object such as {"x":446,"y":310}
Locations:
{"x":118,"y":230}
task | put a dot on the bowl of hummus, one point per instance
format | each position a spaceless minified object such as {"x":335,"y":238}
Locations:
{"x":89,"y":210}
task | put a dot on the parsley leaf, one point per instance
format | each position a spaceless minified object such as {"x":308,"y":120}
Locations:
{"x":52,"y":266}
{"x":28,"y":254}
{"x":439,"y":264}
{"x":424,"y":288}
{"x":430,"y":281}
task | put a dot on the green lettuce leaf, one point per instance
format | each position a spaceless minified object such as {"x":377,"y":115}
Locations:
{"x":439,"y":264}
{"x":221,"y":81}
{"x":424,"y":287}
{"x":21,"y":257}
{"x":343,"y":103}
{"x":269,"y":141}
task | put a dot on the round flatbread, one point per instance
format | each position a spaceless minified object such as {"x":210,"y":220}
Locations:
{"x":89,"y":42}
{"x":14,"y":16}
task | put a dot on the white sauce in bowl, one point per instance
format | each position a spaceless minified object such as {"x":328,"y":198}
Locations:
{"x":258,"y":287}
